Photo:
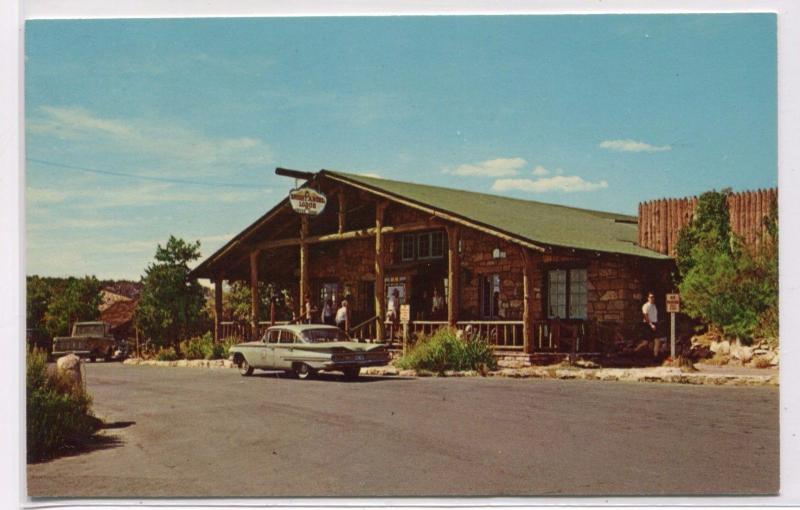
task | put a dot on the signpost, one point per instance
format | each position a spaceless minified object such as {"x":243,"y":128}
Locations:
{"x":673,"y":307}
{"x":307,"y":201}
{"x":405,"y":318}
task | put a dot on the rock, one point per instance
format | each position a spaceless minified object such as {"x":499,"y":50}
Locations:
{"x":182,"y":363}
{"x":775,"y":360}
{"x":69,"y":369}
{"x":408,"y":373}
{"x":742,"y":353}
{"x":585,"y":363}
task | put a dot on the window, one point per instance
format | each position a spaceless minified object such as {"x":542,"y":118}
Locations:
{"x":423,"y":246}
{"x":287,"y":337}
{"x":566,"y":293}
{"x":490,"y":295}
{"x":426,"y":245}
{"x":272,"y":336}
{"x":407,"y":248}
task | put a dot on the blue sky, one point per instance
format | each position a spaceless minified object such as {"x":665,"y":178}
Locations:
{"x":592,"y":111}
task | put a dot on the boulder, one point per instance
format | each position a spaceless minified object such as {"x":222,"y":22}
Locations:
{"x":69,"y":369}
{"x":742,"y":353}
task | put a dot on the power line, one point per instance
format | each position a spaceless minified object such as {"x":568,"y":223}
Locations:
{"x":142,"y":177}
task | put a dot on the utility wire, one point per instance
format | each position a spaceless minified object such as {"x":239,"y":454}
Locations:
{"x":142,"y":177}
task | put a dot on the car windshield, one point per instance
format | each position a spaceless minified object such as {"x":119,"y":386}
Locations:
{"x":324,"y":335}
{"x":89,"y":329}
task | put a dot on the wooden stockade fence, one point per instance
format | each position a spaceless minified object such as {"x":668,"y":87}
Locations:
{"x":661,"y":220}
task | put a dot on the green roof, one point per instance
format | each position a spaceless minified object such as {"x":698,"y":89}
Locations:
{"x":536,"y":222}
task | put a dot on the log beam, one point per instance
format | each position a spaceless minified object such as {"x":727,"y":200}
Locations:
{"x":380,"y":291}
{"x":217,"y":308}
{"x":304,"y":290}
{"x":254,"y":294}
{"x":527,"y":302}
{"x":453,"y":272}
{"x":345,"y":236}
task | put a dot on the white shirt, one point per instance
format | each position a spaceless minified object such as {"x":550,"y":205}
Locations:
{"x":650,"y":311}
{"x":394,"y":304}
{"x":341,"y":314}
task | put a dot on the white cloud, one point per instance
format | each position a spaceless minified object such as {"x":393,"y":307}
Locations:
{"x":499,"y":167}
{"x":44,"y":195}
{"x":179,"y":145}
{"x":540,"y":171}
{"x":77,"y":223}
{"x":628,"y":145}
{"x":562,"y":183}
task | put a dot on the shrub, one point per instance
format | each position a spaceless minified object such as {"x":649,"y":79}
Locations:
{"x":167,"y":354}
{"x":204,"y":347}
{"x":726,"y":285}
{"x":58,"y":414}
{"x":445,"y":351}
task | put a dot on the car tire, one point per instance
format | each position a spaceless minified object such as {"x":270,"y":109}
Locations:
{"x":304,"y":371}
{"x":245,"y":369}
{"x":109,"y":355}
{"x":351,"y":373}
{"x":92,"y":357}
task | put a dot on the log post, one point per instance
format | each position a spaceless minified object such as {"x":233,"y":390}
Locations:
{"x":380,"y":290}
{"x":304,"y":291}
{"x":527,"y":326}
{"x":217,"y":308}
{"x":342,"y":209}
{"x":453,"y":272}
{"x":254,"y":294}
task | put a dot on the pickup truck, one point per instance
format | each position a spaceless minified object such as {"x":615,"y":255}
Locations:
{"x":89,"y":340}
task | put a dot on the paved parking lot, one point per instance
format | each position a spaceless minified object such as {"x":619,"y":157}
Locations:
{"x":203,"y":433}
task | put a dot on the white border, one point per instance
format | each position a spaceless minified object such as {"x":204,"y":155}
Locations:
{"x":12,"y":184}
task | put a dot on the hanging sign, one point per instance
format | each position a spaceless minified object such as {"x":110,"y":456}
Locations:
{"x":307,"y":201}
{"x":673,"y":303}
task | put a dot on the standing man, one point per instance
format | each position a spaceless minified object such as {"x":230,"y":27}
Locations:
{"x":437,"y":305}
{"x":650,"y":320}
{"x":341,"y":316}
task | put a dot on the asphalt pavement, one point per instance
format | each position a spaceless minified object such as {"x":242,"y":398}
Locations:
{"x":194,"y":432}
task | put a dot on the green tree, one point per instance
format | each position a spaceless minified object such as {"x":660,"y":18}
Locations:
{"x":37,"y":297}
{"x":171,"y":304}
{"x":75,"y":300}
{"x":723,"y":283}
{"x":236,"y":301}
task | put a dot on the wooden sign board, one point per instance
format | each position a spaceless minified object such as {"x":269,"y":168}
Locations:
{"x":673,"y":303}
{"x":405,"y":313}
{"x":307,"y":201}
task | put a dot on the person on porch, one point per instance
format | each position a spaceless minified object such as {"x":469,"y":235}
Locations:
{"x":437,"y":305}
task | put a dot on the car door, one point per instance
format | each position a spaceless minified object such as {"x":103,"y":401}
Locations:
{"x":268,"y":352}
{"x":285,"y":350}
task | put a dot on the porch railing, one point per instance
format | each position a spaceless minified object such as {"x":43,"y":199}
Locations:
{"x":505,"y":335}
{"x":242,"y":331}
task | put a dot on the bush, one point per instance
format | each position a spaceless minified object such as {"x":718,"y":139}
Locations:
{"x":204,"y":347}
{"x":58,"y":414}
{"x":167,"y":354}
{"x":728,"y":286}
{"x":445,"y":351}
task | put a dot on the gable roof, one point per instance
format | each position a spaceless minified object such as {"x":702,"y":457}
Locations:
{"x":537,"y":222}
{"x":525,"y":220}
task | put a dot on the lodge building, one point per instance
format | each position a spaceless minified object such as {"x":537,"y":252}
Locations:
{"x":529,"y":276}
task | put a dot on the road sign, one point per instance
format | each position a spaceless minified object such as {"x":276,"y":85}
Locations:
{"x":673,"y":303}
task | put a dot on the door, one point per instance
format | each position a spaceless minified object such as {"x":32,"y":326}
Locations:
{"x":268,"y":352}
{"x":283,"y":350}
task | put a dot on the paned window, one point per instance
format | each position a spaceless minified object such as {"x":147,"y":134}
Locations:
{"x":407,"y":249}
{"x":566,"y":294}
